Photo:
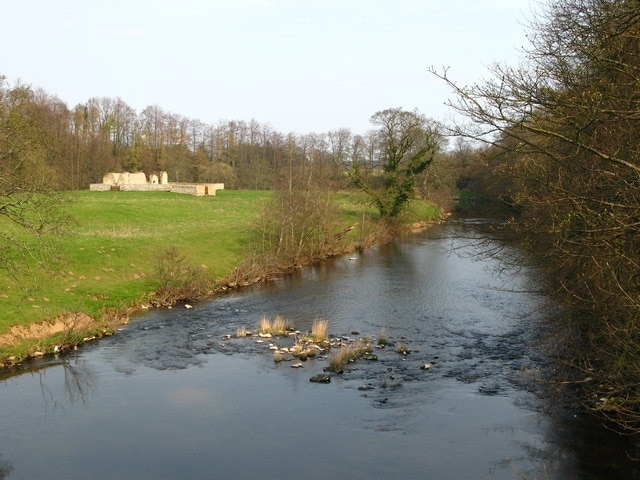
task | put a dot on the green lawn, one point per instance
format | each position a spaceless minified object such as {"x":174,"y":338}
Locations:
{"x":107,"y":259}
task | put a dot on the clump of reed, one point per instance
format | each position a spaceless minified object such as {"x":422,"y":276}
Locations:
{"x":348,"y":353}
{"x":319,"y":331}
{"x":279,"y":326}
{"x":310,"y":352}
{"x":383,"y":340}
{"x":297,"y":348}
{"x":401,"y":349}
{"x":242,"y":332}
{"x":303,"y":349}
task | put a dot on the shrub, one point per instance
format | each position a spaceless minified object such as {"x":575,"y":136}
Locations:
{"x":177,"y":280}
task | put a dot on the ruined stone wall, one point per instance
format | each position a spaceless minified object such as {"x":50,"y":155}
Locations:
{"x":212,"y":187}
{"x":197,"y":189}
{"x":133,"y":178}
{"x":147,"y":187}
{"x":137,"y":182}
{"x":99,"y":187}
{"x":125,"y":178}
{"x":112,"y":178}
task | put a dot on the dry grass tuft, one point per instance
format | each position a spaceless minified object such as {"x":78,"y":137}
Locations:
{"x":279,"y":326}
{"x":242,"y":332}
{"x":383,"y":340}
{"x":265,"y":325}
{"x":348,"y":353}
{"x":319,"y":330}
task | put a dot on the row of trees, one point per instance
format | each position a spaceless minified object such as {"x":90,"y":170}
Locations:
{"x":77,"y":146}
{"x":301,"y":224}
{"x":45,"y":147}
{"x":562,"y":145}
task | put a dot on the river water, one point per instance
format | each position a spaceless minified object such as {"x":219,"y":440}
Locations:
{"x":171,"y":397}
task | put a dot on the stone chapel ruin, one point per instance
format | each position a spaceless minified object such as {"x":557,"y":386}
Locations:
{"x":137,"y":181}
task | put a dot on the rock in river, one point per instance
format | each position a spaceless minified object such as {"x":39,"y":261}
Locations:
{"x":321,"y":378}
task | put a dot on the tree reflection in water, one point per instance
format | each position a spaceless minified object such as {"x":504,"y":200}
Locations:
{"x":6,"y":468}
{"x":79,"y":382}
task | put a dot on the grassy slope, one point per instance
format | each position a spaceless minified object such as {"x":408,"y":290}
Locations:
{"x":106,"y":260}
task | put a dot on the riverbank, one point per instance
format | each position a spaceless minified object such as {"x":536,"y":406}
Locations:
{"x":107,"y":267}
{"x":187,"y":373}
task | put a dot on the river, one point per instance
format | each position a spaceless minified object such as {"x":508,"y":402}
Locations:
{"x":171,"y":396}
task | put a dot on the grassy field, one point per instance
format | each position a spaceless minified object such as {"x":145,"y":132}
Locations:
{"x":107,"y":259}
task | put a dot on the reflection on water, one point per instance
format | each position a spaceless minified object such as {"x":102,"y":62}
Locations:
{"x":171,"y":396}
{"x":5,"y":468}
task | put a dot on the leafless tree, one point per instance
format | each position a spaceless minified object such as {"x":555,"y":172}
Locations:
{"x":564,"y":124}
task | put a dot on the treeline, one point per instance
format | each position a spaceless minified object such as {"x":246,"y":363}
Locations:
{"x":77,"y":146}
{"x":562,"y":146}
{"x":47,"y":148}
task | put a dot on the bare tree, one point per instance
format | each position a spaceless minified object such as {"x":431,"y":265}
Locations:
{"x":565,"y":124}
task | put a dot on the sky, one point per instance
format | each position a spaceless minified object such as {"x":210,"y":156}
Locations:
{"x":302,"y":66}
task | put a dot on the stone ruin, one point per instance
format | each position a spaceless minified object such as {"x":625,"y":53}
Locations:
{"x":137,"y":181}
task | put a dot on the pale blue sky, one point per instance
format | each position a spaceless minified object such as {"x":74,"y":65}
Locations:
{"x":299,"y":65}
